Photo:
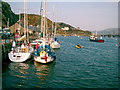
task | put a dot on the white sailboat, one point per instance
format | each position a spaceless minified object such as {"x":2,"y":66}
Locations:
{"x":55,"y":44}
{"x":43,"y":53}
{"x":23,"y":52}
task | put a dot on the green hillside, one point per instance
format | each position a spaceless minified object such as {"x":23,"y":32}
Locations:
{"x":7,"y":13}
{"x":35,"y":20}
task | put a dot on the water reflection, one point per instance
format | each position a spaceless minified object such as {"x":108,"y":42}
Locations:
{"x":43,"y":71}
{"x":18,"y":69}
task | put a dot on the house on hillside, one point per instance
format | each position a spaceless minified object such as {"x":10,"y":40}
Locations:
{"x":65,"y":28}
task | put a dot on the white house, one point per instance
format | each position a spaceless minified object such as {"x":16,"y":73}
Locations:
{"x":65,"y":28}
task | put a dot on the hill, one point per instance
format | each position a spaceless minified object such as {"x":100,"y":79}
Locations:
{"x":7,"y":13}
{"x":108,"y":31}
{"x":35,"y":20}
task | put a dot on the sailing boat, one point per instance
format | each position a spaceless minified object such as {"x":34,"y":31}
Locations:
{"x":23,"y":53}
{"x":55,"y":44}
{"x":43,"y":52}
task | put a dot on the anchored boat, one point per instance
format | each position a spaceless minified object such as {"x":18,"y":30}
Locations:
{"x":20,"y":54}
{"x":79,"y":46}
{"x":55,"y":44}
{"x":44,"y":54}
{"x":96,"y":39}
{"x":23,"y":52}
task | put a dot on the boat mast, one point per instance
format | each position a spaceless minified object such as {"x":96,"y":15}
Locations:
{"x":27,"y":30}
{"x":46,"y":27}
{"x":27,"y":26}
{"x":43,"y":19}
{"x":41,"y":13}
{"x":25,"y":19}
{"x":53,"y":24}
{"x":55,"y":31}
{"x":39,"y":26}
{"x":19,"y":23}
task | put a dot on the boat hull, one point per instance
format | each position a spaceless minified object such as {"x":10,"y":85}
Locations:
{"x":101,"y":41}
{"x":19,"y":57}
{"x":55,"y":45}
{"x":40,"y":60}
{"x":79,"y":46}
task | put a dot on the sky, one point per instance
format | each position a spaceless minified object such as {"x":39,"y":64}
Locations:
{"x":94,"y":15}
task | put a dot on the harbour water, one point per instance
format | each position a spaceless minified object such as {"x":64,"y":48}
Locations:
{"x":94,"y":66}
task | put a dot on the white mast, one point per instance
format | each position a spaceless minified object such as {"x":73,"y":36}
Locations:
{"x":27,"y":26}
{"x":19,"y":23}
{"x":43,"y":19}
{"x":55,"y":30}
{"x":53,"y":24}
{"x":25,"y":19}
{"x":46,"y":28}
{"x":44,"y":16}
{"x":27,"y":30}
{"x":41,"y":27}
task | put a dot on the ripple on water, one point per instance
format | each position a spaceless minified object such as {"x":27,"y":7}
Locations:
{"x":94,"y":66}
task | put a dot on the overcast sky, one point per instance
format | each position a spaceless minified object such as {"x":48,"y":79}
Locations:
{"x":94,"y":15}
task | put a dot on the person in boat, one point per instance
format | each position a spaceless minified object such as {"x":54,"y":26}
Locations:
{"x":40,"y":48}
{"x":55,"y":39}
{"x":78,"y":45}
{"x":47,"y":48}
{"x":37,"y":45}
{"x":28,"y":46}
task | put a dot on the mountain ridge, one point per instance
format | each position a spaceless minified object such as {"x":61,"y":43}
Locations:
{"x":107,"y":31}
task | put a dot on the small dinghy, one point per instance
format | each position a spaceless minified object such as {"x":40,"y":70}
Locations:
{"x":79,"y":46}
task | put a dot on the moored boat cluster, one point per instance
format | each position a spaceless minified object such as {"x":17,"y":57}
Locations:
{"x":42,"y":52}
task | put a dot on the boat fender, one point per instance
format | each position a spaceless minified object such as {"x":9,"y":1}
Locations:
{"x":42,"y":53}
{"x":24,"y":49}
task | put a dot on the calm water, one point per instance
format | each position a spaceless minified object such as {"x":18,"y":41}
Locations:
{"x":95,"y":66}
